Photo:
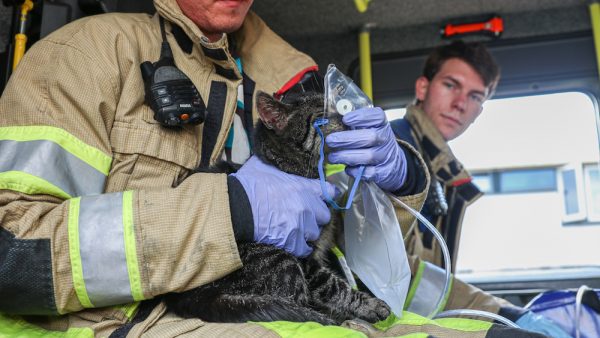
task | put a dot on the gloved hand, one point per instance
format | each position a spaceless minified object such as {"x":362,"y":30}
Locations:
{"x":371,"y":143}
{"x":540,"y":324}
{"x":286,"y":208}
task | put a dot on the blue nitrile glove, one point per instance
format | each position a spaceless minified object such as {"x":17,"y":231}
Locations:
{"x":371,"y":143}
{"x":286,"y":208}
{"x":540,"y":324}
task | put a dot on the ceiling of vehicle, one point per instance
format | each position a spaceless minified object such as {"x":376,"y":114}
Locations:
{"x":328,"y":30}
{"x":314,"y":17}
{"x":408,"y":25}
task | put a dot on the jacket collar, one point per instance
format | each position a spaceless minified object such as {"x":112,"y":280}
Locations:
{"x":435,"y":149}
{"x":169,"y":9}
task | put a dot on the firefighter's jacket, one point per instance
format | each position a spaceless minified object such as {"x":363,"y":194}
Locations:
{"x":417,"y":129}
{"x":93,"y":218}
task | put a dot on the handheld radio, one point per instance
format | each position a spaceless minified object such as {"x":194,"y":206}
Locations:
{"x":169,"y":92}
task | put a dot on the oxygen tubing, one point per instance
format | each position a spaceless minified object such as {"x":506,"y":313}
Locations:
{"x":446,"y":255}
{"x":476,"y":313}
{"x":578,"y":303}
{"x":443,"y":246}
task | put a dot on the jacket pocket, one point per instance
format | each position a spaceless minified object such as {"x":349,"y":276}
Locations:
{"x":150,"y":156}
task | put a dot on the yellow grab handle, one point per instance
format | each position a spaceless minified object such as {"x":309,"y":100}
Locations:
{"x":595,"y":21}
{"x":20,"y":42}
{"x":364,"y":56}
{"x":21,"y":38}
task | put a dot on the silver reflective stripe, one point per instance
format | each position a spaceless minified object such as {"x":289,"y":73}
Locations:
{"x":428,"y":291}
{"x":49,"y":161}
{"x":102,"y":248}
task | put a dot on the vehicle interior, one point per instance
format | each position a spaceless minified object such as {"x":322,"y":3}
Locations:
{"x":534,"y":151}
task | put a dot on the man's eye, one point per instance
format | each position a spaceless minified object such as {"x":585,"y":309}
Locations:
{"x":477,"y":98}
{"x":449,"y":85}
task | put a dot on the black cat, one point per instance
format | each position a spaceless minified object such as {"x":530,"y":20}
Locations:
{"x":273,"y":284}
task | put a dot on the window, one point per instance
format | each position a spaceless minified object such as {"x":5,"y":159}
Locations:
{"x":536,"y":159}
{"x":572,"y":194}
{"x":527,"y":180}
{"x":592,"y":184}
{"x":484,"y":182}
{"x":393,"y":114}
{"x":516,"y":181}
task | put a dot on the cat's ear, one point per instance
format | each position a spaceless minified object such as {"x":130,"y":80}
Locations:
{"x":272,"y":113}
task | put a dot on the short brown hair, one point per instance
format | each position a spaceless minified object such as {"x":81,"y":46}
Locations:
{"x":474,"y":54}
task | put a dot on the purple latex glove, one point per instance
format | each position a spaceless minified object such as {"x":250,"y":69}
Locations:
{"x":372,"y":143}
{"x":287,"y":209}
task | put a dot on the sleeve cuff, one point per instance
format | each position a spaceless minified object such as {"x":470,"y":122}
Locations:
{"x":415,"y":178}
{"x":241,"y":211}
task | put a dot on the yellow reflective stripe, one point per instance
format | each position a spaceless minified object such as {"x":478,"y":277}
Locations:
{"x":15,"y":327}
{"x":413,"y":319}
{"x":446,"y":296}
{"x":337,"y":252}
{"x":464,"y":324}
{"x":74,"y":254}
{"x":414,"y":285}
{"x":332,"y":169}
{"x":29,"y":184}
{"x":90,"y":155}
{"x":135,"y":279}
{"x":128,"y":309}
{"x":309,"y":330}
{"x":408,"y":318}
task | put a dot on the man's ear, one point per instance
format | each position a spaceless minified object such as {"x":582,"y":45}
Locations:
{"x":421,"y":88}
{"x":272,"y":113}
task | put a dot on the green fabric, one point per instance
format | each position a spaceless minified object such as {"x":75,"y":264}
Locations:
{"x":29,"y":184}
{"x":337,"y":252}
{"x":75,"y":255}
{"x":309,"y":330}
{"x":413,"y":319}
{"x":135,"y":279}
{"x":129,"y":309}
{"x":414,"y":285}
{"x":408,"y":318}
{"x":13,"y":327}
{"x":331,"y":169}
{"x":464,"y":324}
{"x":445,"y":300}
{"x":88,"y":154}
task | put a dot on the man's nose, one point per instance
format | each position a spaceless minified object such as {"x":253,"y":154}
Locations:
{"x":460,"y":101}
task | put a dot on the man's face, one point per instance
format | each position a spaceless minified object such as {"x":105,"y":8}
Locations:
{"x":453,"y":98}
{"x":215,"y":17}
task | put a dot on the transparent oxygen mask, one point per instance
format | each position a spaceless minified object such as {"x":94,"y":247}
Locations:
{"x":341,"y":94}
{"x":373,"y":243}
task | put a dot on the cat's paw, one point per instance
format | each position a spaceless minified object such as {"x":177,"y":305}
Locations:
{"x":372,"y":309}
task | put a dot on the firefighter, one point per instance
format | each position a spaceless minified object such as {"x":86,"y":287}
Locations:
{"x":456,"y":80}
{"x":96,"y":215}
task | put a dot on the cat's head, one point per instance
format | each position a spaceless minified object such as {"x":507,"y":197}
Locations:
{"x":285,"y":137}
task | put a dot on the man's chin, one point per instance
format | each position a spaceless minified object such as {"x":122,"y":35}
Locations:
{"x":450,"y":134}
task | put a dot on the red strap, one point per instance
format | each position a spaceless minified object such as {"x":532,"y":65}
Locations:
{"x":461,"y":181}
{"x":295,"y":80}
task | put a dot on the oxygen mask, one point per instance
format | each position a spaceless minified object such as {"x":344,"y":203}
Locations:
{"x":373,"y":242}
